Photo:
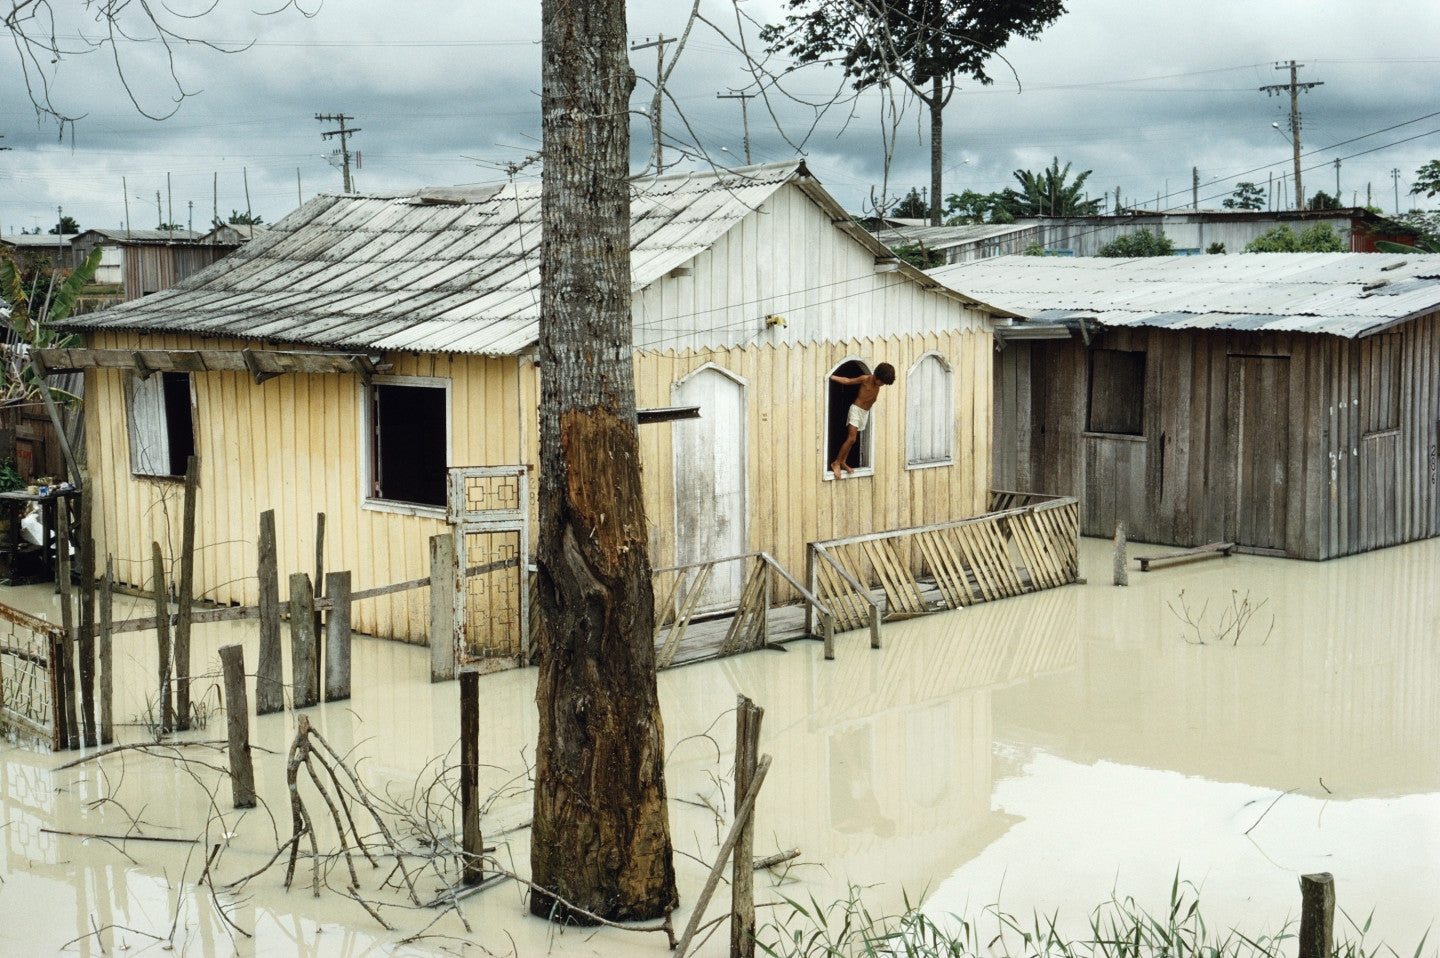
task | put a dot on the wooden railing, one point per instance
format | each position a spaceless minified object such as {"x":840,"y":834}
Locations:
{"x":1027,"y":542}
{"x":679,"y":590}
{"x":32,"y":655}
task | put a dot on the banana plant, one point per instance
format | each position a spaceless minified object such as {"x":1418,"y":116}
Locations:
{"x":38,"y":303}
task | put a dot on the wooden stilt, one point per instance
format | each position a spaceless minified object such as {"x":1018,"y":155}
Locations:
{"x":186,"y":597}
{"x":269,"y":677}
{"x":444,"y":580}
{"x":165,"y":708}
{"x":1317,"y":915}
{"x":304,"y":670}
{"x":742,"y":873}
{"x":86,"y":591}
{"x":66,"y":586}
{"x":471,"y":840}
{"x":107,"y":662}
{"x":1122,"y":564}
{"x":337,"y":637}
{"x":237,"y":722}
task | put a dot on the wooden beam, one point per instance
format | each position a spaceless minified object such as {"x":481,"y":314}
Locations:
{"x":266,"y":362}
{"x":666,"y":414}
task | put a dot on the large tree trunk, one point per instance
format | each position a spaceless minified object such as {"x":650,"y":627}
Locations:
{"x":601,"y":837}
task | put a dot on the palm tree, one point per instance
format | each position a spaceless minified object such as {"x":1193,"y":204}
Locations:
{"x":1048,"y":194}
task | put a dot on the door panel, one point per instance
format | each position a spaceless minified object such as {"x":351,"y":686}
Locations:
{"x":710,"y":494}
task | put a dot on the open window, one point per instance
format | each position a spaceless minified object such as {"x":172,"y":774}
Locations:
{"x":1117,"y":392}
{"x":408,"y":420}
{"x":162,"y":426}
{"x":929,"y":413}
{"x":838,"y":400}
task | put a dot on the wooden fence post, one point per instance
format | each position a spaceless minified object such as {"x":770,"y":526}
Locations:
{"x":165,"y":708}
{"x":304,"y":668}
{"x":742,"y":880}
{"x":107,"y":634}
{"x":237,"y":723}
{"x":337,"y":637}
{"x":444,"y":580}
{"x":269,"y":677}
{"x":87,"y":619}
{"x":1317,"y":915}
{"x":472,"y":842}
{"x":321,"y":646}
{"x":1122,"y":564}
{"x":67,"y":619}
{"x":186,"y":598}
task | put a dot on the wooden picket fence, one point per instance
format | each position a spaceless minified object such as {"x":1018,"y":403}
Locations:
{"x":1025,"y":543}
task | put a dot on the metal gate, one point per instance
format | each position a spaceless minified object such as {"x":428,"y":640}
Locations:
{"x":489,"y":509}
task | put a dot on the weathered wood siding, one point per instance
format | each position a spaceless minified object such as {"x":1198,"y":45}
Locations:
{"x":294,"y":444}
{"x":791,"y":500}
{"x":150,"y":268}
{"x":1310,"y":444}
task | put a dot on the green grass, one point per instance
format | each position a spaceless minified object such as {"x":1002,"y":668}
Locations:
{"x":1118,"y":928}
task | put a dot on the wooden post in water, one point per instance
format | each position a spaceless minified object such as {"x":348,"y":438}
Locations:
{"x":107,"y":662}
{"x":67,"y":619}
{"x":742,"y":873}
{"x":304,"y":669}
{"x":321,"y":647}
{"x":1122,"y":563}
{"x":186,"y":598}
{"x":269,"y":676}
{"x":472,"y":842}
{"x":337,"y":637}
{"x":165,"y":709}
{"x":237,"y":724}
{"x":1317,"y":915}
{"x":87,"y":620}
{"x":444,"y":580}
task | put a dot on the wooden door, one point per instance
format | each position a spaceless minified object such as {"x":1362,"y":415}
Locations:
{"x":1260,"y":418}
{"x":710,"y":487}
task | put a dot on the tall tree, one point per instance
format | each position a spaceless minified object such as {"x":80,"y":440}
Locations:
{"x":601,"y":834}
{"x":1050,"y":192}
{"x":66,"y":226}
{"x":928,"y":45}
{"x":1247,"y":196}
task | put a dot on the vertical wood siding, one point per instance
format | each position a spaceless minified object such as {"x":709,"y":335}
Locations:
{"x":1359,"y":460}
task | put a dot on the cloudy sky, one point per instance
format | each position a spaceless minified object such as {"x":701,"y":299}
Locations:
{"x":446,"y":92}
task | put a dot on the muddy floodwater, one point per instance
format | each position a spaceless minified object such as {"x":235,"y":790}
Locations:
{"x":1044,"y":752}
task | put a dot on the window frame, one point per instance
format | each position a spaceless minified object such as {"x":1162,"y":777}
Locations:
{"x":914,"y":398}
{"x":368,"y":452}
{"x":865,"y":443}
{"x":158,"y":388}
{"x":1137,"y":390}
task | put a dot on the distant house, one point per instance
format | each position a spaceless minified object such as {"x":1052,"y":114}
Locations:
{"x":1193,"y":232}
{"x":408,"y":326}
{"x":1287,"y":402}
{"x":112,"y":260}
{"x":53,"y":250}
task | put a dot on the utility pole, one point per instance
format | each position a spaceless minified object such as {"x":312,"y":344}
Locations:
{"x":1395,"y":178}
{"x":1195,"y":187}
{"x":343,"y":133}
{"x":2,"y":149}
{"x":657,"y":156}
{"x":744,"y":116}
{"x":1337,"y":181}
{"x":1294,"y":87}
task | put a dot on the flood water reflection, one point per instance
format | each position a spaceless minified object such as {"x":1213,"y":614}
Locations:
{"x":1043,"y":751}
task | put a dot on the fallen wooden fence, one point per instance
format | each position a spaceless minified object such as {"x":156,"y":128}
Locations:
{"x":1026,"y":543}
{"x":32,"y":657}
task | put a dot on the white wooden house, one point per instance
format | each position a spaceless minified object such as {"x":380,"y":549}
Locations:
{"x":406,"y":326}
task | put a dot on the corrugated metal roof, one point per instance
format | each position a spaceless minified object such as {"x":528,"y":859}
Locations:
{"x":944,"y":237}
{"x":440,"y":270}
{"x":1343,"y":294}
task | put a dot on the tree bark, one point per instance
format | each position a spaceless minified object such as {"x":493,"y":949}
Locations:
{"x":601,"y":835}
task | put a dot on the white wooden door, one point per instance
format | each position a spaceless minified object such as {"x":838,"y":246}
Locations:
{"x":710,"y":495}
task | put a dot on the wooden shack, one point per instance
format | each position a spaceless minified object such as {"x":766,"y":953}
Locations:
{"x":345,"y":359}
{"x":1286,"y":402}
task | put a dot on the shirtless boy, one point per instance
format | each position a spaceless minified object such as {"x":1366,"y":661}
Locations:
{"x":859,"y":415}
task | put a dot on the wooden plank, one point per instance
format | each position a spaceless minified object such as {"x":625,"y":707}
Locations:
{"x":237,"y":723}
{"x":107,"y":662}
{"x":1209,"y":549}
{"x":304,"y":664}
{"x":269,"y":681}
{"x":165,"y":708}
{"x":337,"y":637}
{"x":86,"y":591}
{"x":186,"y":597}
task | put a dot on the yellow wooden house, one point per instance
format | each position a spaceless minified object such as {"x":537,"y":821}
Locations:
{"x":347,"y":358}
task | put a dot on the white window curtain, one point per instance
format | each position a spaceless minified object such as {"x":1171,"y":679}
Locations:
{"x":149,"y":436}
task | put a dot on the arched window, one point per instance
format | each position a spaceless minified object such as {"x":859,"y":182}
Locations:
{"x":930,"y":413}
{"x":839,"y":396}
